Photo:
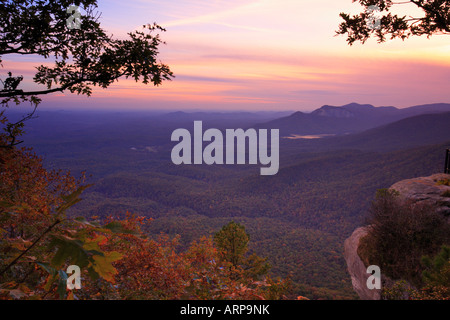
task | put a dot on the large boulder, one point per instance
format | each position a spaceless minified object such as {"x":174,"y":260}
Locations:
{"x":420,"y":190}
{"x":427,"y":189}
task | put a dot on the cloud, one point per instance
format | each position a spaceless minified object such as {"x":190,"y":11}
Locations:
{"x":195,"y":78}
{"x":316,"y":92}
{"x":211,"y":12}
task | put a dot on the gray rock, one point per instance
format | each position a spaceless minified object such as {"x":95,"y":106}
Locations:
{"x":423,"y":189}
{"x":426,"y":189}
{"x":356,"y":267}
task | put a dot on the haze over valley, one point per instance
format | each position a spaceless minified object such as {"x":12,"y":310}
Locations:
{"x":298,"y":218}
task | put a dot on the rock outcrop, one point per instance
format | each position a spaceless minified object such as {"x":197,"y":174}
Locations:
{"x":423,"y":189}
{"x":427,"y":189}
{"x":356,"y":267}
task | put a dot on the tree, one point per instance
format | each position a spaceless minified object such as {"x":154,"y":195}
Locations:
{"x":37,"y":238}
{"x":435,"y":20}
{"x":83,"y":57}
{"x":436,"y":278}
{"x":437,"y":275}
{"x":211,"y":278}
{"x":400,"y":233}
{"x":232,"y":242}
{"x":154,"y":269}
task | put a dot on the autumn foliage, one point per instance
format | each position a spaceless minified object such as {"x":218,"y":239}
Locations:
{"x":39,"y":239}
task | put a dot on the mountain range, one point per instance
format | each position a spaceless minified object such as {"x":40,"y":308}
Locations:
{"x":350,"y":118}
{"x":411,"y":132}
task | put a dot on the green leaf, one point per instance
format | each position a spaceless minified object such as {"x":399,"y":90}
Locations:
{"x":69,"y":248}
{"x":47,"y":267}
{"x":62,"y":284}
{"x":93,"y":245}
{"x":71,"y":199}
{"x":83,"y":255}
{"x":103,"y":265}
{"x":93,"y":274}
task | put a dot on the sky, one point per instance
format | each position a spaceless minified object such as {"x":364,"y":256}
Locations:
{"x":268,"y":55}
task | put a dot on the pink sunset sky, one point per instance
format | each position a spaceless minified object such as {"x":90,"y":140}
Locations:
{"x":271,"y":55}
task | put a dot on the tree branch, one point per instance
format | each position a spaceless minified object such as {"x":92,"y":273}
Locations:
{"x":439,"y":19}
{"x":9,"y":94}
{"x":30,"y":247}
{"x":10,"y":127}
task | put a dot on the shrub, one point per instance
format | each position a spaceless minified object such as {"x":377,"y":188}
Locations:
{"x":400,"y":233}
{"x":445,"y":182}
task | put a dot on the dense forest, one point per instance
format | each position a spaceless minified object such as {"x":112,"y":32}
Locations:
{"x":298,"y":218}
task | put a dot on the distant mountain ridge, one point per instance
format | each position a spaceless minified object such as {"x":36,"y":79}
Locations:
{"x":411,"y":132}
{"x":350,"y":118}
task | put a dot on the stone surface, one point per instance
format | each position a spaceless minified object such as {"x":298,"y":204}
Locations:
{"x":356,"y":267}
{"x":426,"y":189}
{"x":422,"y":189}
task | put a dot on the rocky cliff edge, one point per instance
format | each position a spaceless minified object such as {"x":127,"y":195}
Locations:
{"x":422,"y":189}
